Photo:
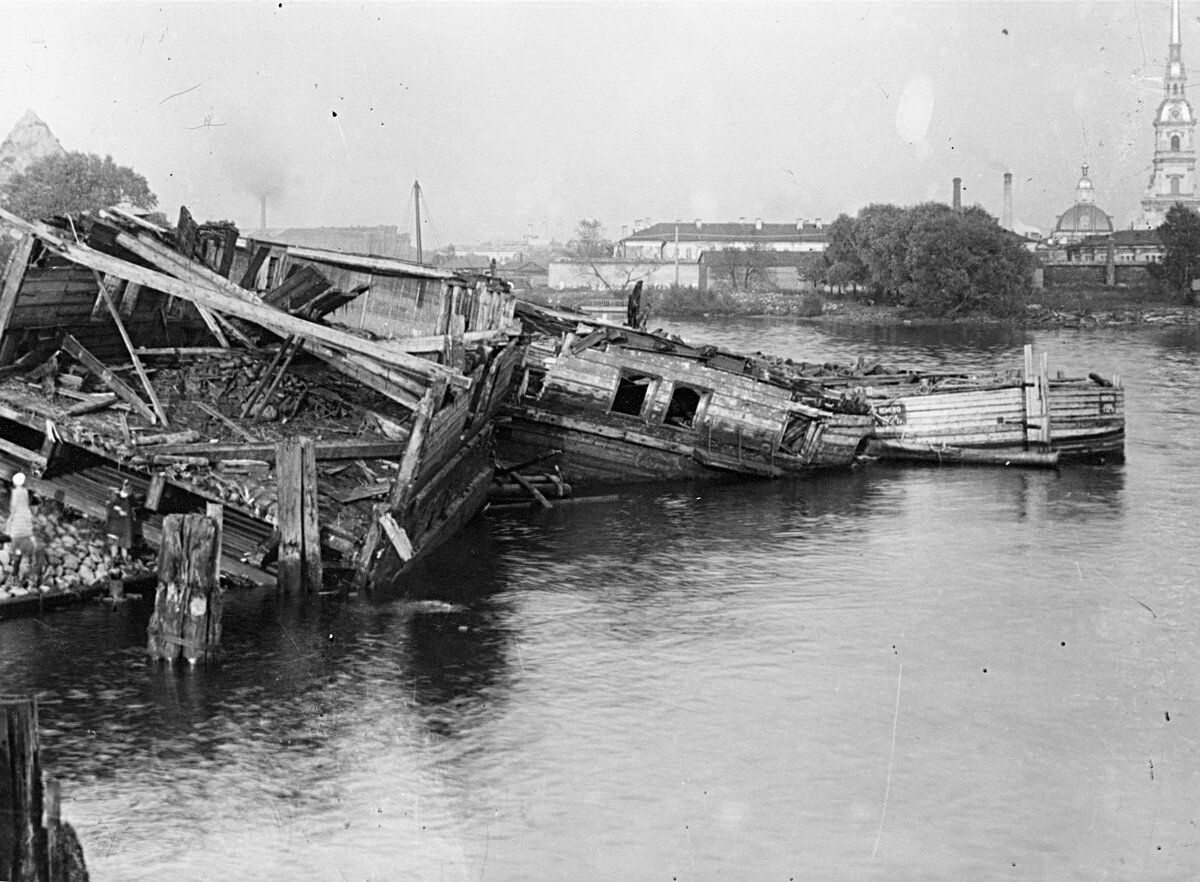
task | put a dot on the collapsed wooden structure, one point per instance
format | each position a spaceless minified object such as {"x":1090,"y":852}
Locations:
{"x":203,"y":367}
{"x":626,"y":405}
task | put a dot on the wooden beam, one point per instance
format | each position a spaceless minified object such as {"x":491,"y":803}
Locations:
{"x":289,"y":483}
{"x":265,"y":450}
{"x":377,"y":265}
{"x":75,"y":349}
{"x":397,"y":537}
{"x":410,"y":464}
{"x":230,"y":424}
{"x":313,"y":571}
{"x":380,"y":384}
{"x":137,"y":362}
{"x":272,"y":319}
{"x":14,"y":274}
{"x":531,"y":490}
{"x":170,"y":261}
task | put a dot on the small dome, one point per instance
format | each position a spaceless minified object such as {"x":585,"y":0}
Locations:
{"x":1084,"y":218}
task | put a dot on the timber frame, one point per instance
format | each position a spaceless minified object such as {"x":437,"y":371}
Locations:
{"x":228,"y":374}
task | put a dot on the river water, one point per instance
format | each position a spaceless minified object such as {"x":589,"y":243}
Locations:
{"x":893,"y":673}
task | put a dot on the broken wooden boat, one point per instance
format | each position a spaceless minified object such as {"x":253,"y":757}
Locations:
{"x":206,"y":368}
{"x":1028,"y":418}
{"x":630,"y":405}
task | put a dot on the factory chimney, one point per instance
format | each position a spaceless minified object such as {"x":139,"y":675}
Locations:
{"x":1006,"y":214}
{"x":957,"y":204}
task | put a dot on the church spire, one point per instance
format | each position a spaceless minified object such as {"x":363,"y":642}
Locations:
{"x":1175,"y":41}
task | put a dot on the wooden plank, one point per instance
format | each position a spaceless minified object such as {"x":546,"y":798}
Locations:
{"x":133,"y":357}
{"x":75,"y":349}
{"x":236,"y":428}
{"x":265,"y":450}
{"x":154,"y":493}
{"x":366,"y":555}
{"x":397,"y":536}
{"x":313,"y":570}
{"x":411,"y":461}
{"x":364,"y":491}
{"x":14,"y":273}
{"x":376,"y":265}
{"x":91,"y":405}
{"x":267,"y":317}
{"x":252,"y":269}
{"x":357,"y":370}
{"x":289,"y":492}
{"x":216,"y":513}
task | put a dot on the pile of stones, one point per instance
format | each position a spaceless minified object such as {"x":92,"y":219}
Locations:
{"x":77,"y":557}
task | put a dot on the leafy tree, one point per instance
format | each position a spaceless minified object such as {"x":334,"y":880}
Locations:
{"x":73,"y":182}
{"x":963,"y":262}
{"x":738,"y":269}
{"x":842,"y":252}
{"x":1180,"y":234}
{"x":589,"y":242}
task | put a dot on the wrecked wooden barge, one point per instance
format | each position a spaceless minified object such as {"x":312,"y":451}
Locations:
{"x":189,"y":362}
{"x":1020,"y":418}
{"x":629,"y":405}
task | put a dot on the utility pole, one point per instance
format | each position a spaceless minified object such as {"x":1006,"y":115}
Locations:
{"x":417,"y":204}
{"x":676,"y":254}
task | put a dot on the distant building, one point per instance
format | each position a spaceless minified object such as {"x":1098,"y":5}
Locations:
{"x":1173,"y":180}
{"x":687,"y":241}
{"x":1084,"y":218}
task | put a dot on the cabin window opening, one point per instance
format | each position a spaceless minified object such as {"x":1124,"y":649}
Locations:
{"x":794,"y":433}
{"x":685,"y":402}
{"x":532,"y":383}
{"x":631,"y":393}
{"x":421,"y":292}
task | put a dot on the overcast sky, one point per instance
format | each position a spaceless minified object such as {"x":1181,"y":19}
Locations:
{"x":519,"y":116}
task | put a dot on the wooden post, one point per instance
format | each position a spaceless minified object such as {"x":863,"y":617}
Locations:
{"x":22,"y":839}
{"x":289,"y":491}
{"x":52,"y":813}
{"x":187,"y":607}
{"x":366,"y":555}
{"x":313,"y":570}
{"x":154,"y":494}
{"x":14,"y":274}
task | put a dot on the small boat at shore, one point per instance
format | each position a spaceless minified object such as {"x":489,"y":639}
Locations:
{"x":623,"y":405}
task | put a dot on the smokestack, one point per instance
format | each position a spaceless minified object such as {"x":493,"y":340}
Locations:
{"x":1006,"y":215}
{"x":262,"y":211}
{"x":957,"y":194}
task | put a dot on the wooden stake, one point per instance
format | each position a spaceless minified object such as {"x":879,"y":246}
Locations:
{"x":22,"y":840}
{"x":366,"y":555}
{"x":314,"y":573}
{"x":290,"y":483}
{"x":187,"y":607}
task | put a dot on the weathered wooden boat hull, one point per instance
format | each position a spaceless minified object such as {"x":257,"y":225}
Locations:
{"x":595,"y":452}
{"x":1085,"y":420}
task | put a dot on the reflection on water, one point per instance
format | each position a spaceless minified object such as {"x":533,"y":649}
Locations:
{"x":695,"y":681}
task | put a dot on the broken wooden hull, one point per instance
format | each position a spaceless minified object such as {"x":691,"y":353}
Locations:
{"x":1086,"y":420}
{"x":625,"y":405}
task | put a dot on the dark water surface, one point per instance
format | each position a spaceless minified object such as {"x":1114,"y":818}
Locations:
{"x":892,"y":673}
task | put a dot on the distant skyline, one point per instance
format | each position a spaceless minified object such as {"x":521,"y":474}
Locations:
{"x":519,"y":116}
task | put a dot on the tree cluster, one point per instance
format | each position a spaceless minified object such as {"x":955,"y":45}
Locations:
{"x":1180,"y":234}
{"x":931,"y":258}
{"x":67,"y":183}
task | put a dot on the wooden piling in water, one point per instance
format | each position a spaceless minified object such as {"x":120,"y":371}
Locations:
{"x":187,"y":606}
{"x":299,"y":563}
{"x":35,"y":844}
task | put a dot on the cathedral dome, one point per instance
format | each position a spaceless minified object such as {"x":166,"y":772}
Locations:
{"x":1084,"y":218}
